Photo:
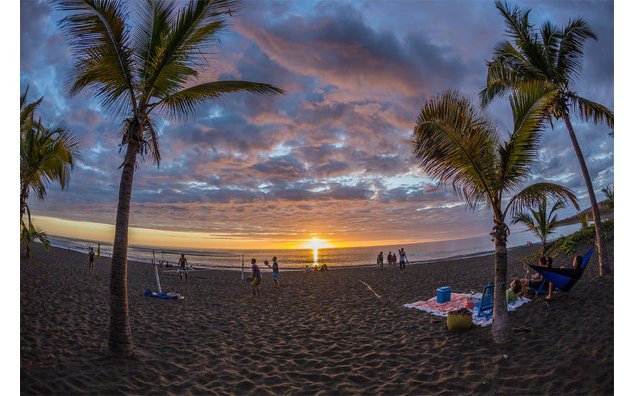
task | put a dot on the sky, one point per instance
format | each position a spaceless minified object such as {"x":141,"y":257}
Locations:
{"x":332,"y":157}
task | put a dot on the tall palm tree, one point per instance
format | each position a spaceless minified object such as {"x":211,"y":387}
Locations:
{"x":552,"y":56}
{"x":541,"y":221}
{"x":137,"y":66}
{"x":457,"y":145}
{"x":46,"y":155}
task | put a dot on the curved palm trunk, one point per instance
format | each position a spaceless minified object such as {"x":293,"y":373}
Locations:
{"x":120,"y":337}
{"x":604,"y":267}
{"x":501,"y":322}
{"x":24,"y":195}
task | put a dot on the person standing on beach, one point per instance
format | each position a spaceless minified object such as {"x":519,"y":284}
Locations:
{"x":389,"y":260}
{"x":402,"y":259}
{"x":276,"y":271}
{"x":379,"y":260}
{"x":91,"y":259}
{"x":256,"y":277}
{"x":182,"y":267}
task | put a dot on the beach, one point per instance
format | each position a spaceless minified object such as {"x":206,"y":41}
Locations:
{"x":320,"y":333}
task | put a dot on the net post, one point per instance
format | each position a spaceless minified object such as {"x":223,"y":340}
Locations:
{"x":242,"y":268}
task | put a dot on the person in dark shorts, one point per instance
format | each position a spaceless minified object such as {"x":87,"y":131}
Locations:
{"x":182,"y":267}
{"x":256,"y":277}
{"x":276,"y":271}
{"x":402,"y":258}
{"x":91,"y":259}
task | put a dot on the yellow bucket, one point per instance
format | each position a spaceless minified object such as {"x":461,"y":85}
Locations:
{"x":456,"y":321}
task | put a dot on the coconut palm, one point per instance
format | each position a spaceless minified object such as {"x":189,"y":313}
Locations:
{"x":46,"y":155}
{"x":551,"y":56}
{"x":541,"y":221}
{"x":138,"y":66}
{"x":457,"y":145}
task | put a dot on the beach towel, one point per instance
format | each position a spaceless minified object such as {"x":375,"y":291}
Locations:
{"x":460,"y":300}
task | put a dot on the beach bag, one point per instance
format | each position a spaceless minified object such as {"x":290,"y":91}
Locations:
{"x":459,"y":320}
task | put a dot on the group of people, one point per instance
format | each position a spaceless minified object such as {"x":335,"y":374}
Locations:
{"x":323,"y":267}
{"x":391,"y":259}
{"x":523,"y":287}
{"x":256,"y":275}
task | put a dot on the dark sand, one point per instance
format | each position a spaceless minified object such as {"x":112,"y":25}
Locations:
{"x":320,"y":333}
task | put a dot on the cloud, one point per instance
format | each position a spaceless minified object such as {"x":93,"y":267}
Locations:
{"x":333,"y":154}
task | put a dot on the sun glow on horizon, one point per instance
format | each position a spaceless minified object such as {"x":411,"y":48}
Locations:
{"x":317,"y":243}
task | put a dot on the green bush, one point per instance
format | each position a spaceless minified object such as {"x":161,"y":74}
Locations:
{"x":569,"y":244}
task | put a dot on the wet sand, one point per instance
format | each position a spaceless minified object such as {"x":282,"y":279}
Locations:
{"x":319,"y":333}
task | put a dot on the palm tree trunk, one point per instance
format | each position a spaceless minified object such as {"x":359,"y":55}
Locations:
{"x":501,"y":322}
{"x":120,"y":337}
{"x":24,"y":195}
{"x":604,"y":267}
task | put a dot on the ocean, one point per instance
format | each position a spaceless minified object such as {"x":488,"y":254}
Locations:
{"x":299,"y":258}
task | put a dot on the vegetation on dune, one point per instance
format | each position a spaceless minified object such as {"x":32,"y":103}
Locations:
{"x":138,"y":65}
{"x":552,"y":57}
{"x":456,"y":145}
{"x":47,"y":155}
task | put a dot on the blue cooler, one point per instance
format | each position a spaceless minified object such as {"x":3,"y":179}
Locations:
{"x":443,"y":294}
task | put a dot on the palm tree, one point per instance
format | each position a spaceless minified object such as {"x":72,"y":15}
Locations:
{"x":46,"y":155}
{"x":457,"y":145}
{"x":137,"y":66}
{"x":541,"y":222}
{"x":551,"y":56}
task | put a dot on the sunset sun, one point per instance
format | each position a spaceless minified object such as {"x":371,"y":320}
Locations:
{"x":316,"y":243}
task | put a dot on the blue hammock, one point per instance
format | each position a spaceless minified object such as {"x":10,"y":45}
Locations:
{"x":564,"y":278}
{"x":165,"y":296}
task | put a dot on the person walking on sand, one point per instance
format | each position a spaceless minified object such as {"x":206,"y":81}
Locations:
{"x":256,"y":277}
{"x":276,"y":271}
{"x":389,"y":261}
{"x":402,"y":258}
{"x":91,"y":259}
{"x":182,"y":267}
{"x":379,"y":260}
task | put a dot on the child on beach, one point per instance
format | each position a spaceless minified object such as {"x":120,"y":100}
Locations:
{"x":276,"y":271}
{"x":182,"y":267}
{"x":513,"y":292}
{"x":91,"y":260}
{"x":256,"y":277}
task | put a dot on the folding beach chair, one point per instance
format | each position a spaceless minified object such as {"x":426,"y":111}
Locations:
{"x":485,"y":305}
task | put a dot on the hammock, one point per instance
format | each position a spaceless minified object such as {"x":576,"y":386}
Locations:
{"x":564,"y":278}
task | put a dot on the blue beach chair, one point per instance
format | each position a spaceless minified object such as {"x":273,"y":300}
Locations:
{"x":485,"y":305}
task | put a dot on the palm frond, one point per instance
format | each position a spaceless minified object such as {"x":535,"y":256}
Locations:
{"x":178,"y":55}
{"x":47,"y":155}
{"x":155,"y":17}
{"x":99,"y":40}
{"x":551,"y":38}
{"x":592,"y":111}
{"x":454,"y":144}
{"x":529,"y":104}
{"x":573,"y":36}
{"x":535,"y":193}
{"x":150,"y":143}
{"x":27,"y":111}
{"x":500,"y":80}
{"x":183,"y":103}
